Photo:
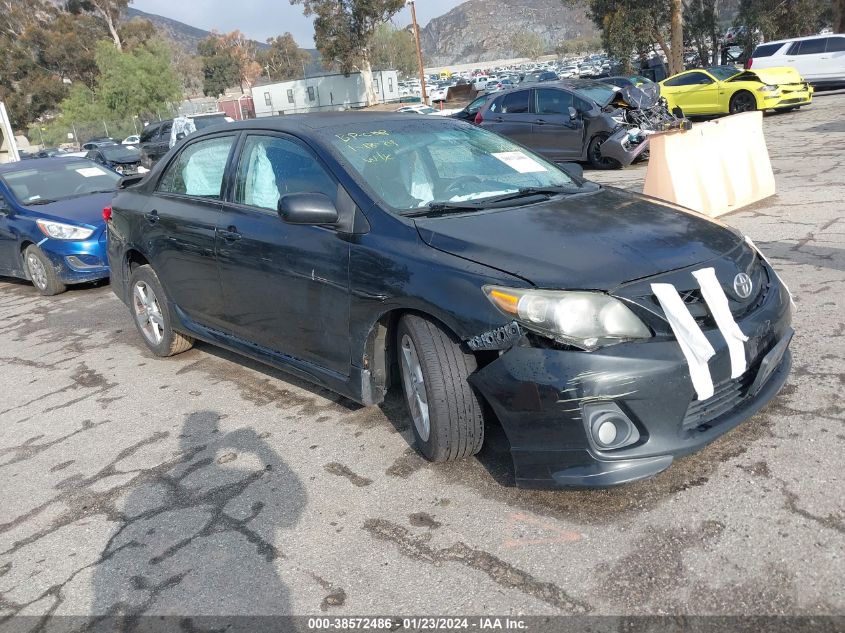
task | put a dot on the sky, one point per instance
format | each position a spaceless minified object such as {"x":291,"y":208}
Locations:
{"x":260,"y":19}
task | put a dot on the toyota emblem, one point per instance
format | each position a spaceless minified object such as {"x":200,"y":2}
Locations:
{"x":743,"y":286}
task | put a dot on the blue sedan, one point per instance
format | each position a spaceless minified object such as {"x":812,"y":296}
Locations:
{"x":52,"y":230}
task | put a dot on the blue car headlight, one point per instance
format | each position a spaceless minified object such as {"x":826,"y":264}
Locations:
{"x":61,"y":231}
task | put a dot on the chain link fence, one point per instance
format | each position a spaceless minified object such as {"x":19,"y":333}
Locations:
{"x":71,"y":135}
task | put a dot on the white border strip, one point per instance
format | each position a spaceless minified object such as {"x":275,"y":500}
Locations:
{"x":716,"y":300}
{"x":694,"y":345}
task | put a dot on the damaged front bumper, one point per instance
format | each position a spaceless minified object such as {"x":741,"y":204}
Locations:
{"x":624,"y":146}
{"x":545,"y":398}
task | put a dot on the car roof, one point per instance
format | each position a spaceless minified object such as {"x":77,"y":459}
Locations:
{"x":307,"y":123}
{"x":45,"y":164}
{"x":798,"y":39}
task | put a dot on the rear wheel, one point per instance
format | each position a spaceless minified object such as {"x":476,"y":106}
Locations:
{"x":448,"y":421}
{"x":151,"y":311}
{"x":594,"y":155}
{"x":41,"y":272}
{"x":742,"y":101}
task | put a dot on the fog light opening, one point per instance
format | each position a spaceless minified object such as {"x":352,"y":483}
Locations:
{"x":608,"y":427}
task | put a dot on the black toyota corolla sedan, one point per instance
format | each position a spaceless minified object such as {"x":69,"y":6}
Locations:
{"x":607,"y":332}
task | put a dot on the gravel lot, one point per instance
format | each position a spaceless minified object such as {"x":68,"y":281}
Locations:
{"x":208,"y":484}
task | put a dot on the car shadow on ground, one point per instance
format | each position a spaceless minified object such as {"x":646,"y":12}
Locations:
{"x":198,"y":534}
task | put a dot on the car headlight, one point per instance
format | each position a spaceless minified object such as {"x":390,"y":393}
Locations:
{"x":767,"y":88}
{"x":59,"y":231}
{"x":588,"y":320}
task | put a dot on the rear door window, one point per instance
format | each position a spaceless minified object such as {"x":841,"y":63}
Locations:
{"x":164,"y":131}
{"x":149,"y":132}
{"x":198,"y":169}
{"x":808,"y":47}
{"x":515,"y":102}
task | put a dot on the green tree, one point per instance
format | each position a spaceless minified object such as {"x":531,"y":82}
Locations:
{"x":343,"y":30}
{"x":701,"y":28}
{"x":228,"y":59}
{"x":138,"y":81}
{"x":108,"y":11}
{"x":284,"y":59}
{"x":393,"y":49}
{"x":528,"y":44}
{"x":636,"y":25}
{"x":785,"y":18}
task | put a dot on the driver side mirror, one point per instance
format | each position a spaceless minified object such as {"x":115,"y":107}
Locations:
{"x":573,"y":113}
{"x":5,"y":209}
{"x":307,"y":208}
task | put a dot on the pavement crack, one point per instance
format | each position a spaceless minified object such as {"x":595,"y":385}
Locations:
{"x":501,"y":572}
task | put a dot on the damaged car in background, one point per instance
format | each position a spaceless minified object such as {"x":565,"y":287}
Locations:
{"x":581,"y":120}
{"x":607,"y":333}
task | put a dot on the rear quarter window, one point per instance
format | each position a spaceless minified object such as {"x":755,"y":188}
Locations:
{"x":835,"y":44}
{"x":767,"y":50}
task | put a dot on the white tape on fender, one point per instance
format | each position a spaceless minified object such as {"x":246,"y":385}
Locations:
{"x":716,"y":300}
{"x":765,"y":259}
{"x":694,"y":345}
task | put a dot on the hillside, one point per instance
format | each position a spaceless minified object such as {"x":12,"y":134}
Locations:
{"x":480,"y":30}
{"x":183,"y":35}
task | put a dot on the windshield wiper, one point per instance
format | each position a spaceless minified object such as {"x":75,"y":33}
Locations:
{"x":525,"y":192}
{"x":441,"y":208}
{"x":33,"y":203}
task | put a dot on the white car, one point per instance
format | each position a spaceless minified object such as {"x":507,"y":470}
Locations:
{"x":418,"y":109}
{"x":820,"y":59}
{"x":131,"y":140}
{"x":438,"y":94}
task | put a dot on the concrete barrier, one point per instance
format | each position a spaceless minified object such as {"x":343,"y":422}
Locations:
{"x":714,"y":168}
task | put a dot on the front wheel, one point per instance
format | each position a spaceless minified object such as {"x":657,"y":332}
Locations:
{"x":151,"y":312}
{"x":41,"y":272}
{"x":448,"y":420}
{"x":594,"y":155}
{"x":742,"y":101}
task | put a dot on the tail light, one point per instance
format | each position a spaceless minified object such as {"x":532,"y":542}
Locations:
{"x":478,"y":119}
{"x":748,"y":63}
{"x":106,"y":213}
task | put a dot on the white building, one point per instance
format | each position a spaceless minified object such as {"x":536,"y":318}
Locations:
{"x":320,"y":94}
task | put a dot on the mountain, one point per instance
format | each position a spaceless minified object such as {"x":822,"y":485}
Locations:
{"x":482,"y":30}
{"x":183,"y":35}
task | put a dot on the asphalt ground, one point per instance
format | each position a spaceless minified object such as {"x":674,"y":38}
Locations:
{"x":209,"y":484}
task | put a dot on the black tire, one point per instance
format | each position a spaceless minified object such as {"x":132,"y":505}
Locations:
{"x":597,"y":161}
{"x":456,"y":418}
{"x":152,"y":317}
{"x":41,"y":272}
{"x":742,"y":101}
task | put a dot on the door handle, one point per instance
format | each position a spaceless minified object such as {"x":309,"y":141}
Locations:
{"x":230,"y":234}
{"x":498,"y":119}
{"x":540,"y":121}
{"x":152,"y":216}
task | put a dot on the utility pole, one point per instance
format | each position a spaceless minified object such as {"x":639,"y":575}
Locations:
{"x":419,"y":49}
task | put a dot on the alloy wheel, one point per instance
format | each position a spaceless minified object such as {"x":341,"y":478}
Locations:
{"x":37,"y":272}
{"x":148,"y":312}
{"x":414,"y":383}
{"x":743,"y":102}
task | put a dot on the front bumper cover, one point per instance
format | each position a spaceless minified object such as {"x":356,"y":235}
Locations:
{"x":538,"y":393}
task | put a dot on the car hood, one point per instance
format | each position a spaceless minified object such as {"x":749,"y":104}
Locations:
{"x":82,"y":210}
{"x":773,"y":76}
{"x":587,"y":241}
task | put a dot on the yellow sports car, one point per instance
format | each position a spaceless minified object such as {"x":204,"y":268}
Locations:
{"x":728,"y":90}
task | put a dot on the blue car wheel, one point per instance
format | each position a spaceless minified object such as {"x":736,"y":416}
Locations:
{"x":41,"y":272}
